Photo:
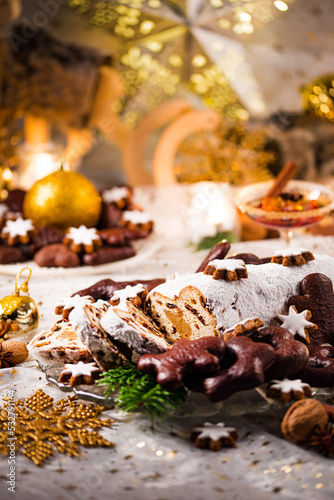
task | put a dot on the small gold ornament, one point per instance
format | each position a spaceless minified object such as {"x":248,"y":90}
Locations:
{"x":63,"y":199}
{"x":18,"y":313}
{"x":43,"y":426}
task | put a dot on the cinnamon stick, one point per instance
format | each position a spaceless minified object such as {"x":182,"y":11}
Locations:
{"x":287,"y":173}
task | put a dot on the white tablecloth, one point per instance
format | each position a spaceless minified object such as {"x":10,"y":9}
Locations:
{"x":161,"y":463}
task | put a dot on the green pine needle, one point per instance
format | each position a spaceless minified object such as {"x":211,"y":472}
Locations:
{"x":139,"y":391}
{"x":210,"y":241}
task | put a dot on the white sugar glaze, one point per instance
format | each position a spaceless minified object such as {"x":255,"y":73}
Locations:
{"x":263,"y":294}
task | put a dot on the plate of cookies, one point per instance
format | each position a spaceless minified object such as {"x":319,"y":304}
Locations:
{"x":234,"y":325}
{"x":124,"y":236}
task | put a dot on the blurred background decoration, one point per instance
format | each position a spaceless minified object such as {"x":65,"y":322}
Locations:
{"x":101,"y":80}
{"x":319,"y":97}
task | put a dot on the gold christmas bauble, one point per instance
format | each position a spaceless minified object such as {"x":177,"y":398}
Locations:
{"x":18,"y":313}
{"x":63,"y":199}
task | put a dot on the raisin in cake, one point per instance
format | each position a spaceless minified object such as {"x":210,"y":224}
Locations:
{"x":185,"y":316}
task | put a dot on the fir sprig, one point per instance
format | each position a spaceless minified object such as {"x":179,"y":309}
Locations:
{"x":210,"y":241}
{"x":138,"y":391}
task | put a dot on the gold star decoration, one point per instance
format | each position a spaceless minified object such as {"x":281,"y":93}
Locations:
{"x":43,"y":426}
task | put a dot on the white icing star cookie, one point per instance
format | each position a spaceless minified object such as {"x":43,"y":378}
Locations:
{"x":136,"y":294}
{"x":214,"y":436}
{"x":286,"y":390}
{"x":69,"y":303}
{"x":292,"y":256}
{"x":229,"y":269}
{"x":82,"y":238}
{"x":136,"y":217}
{"x":297,"y":323}
{"x":18,"y":231}
{"x":80,"y":373}
{"x":116,"y":194}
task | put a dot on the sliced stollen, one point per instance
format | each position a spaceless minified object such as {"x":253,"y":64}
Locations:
{"x":85,"y":320}
{"x":58,"y":345}
{"x":183,"y":316}
{"x":263,"y":294}
{"x":131,"y":325}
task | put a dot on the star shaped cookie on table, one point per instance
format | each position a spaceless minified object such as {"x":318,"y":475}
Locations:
{"x":214,"y":436}
{"x":297,"y":323}
{"x":80,"y":373}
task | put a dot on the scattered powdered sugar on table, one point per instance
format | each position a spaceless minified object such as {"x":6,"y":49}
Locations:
{"x":263,"y":294}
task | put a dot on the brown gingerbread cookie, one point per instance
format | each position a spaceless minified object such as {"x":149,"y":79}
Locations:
{"x":242,"y":367}
{"x":10,"y":255}
{"x":104,"y":289}
{"x":291,"y":355}
{"x":108,"y":254}
{"x":219,"y":251}
{"x":248,"y":258}
{"x":245,"y":327}
{"x":316,"y":295}
{"x":319,"y":370}
{"x":185,"y":359}
{"x":292,"y":257}
{"x":56,"y":255}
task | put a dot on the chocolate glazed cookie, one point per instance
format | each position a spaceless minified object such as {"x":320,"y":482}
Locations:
{"x":291,"y":355}
{"x":319,"y":370}
{"x":242,"y":367}
{"x":316,"y":295}
{"x":104,"y":289}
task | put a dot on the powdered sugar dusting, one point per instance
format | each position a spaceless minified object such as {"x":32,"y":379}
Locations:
{"x":264,"y":294}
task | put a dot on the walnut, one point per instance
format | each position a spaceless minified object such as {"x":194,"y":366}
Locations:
{"x":302,"y":419}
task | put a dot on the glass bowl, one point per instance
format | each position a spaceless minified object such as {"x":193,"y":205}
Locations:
{"x":283,"y":220}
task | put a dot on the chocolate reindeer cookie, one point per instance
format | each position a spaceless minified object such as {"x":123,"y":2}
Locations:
{"x":185,"y":359}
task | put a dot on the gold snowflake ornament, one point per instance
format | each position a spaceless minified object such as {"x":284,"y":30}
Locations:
{"x":43,"y":426}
